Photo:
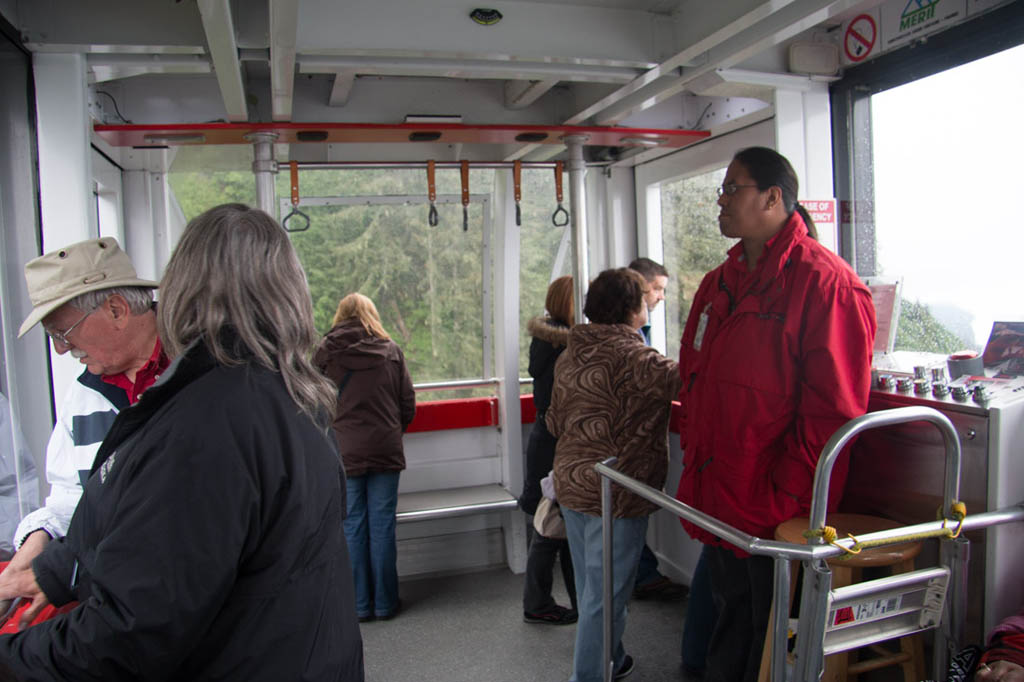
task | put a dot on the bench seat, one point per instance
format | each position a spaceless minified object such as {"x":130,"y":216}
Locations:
{"x":442,"y":504}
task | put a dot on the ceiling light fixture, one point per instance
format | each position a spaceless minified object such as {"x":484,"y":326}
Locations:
{"x":485,"y":17}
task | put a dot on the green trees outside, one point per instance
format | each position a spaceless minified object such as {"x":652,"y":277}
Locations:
{"x":427,"y":282}
{"x":692,"y":244}
{"x":919,"y":330}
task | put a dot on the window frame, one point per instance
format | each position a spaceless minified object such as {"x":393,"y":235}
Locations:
{"x":488,"y":375}
{"x":702,"y":157}
{"x":995,"y":31}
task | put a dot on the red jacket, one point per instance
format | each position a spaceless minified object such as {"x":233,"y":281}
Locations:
{"x":772,"y":362}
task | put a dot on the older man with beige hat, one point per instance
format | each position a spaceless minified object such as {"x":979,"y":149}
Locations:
{"x":92,"y":304}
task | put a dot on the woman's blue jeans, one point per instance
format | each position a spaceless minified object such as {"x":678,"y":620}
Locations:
{"x":584,"y":533}
{"x":370,"y":532}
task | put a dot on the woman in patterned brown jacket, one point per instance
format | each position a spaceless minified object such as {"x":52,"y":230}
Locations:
{"x":612,"y":398}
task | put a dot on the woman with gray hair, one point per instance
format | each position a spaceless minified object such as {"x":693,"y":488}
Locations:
{"x":208,"y":542}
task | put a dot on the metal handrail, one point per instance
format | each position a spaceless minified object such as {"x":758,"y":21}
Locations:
{"x":464,"y":383}
{"x":457,"y":383}
{"x":761,"y":546}
{"x":813,"y":555}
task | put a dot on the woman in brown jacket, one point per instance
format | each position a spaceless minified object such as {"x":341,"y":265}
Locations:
{"x":376,"y":402}
{"x":612,"y":398}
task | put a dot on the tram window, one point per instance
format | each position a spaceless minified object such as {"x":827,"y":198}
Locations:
{"x":946,"y":158}
{"x":692,"y":244}
{"x":202,"y":177}
{"x":427,"y":282}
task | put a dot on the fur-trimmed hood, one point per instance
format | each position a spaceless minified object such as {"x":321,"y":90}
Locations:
{"x":547,"y":329}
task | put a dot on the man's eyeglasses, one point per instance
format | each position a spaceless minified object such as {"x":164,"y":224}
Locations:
{"x":730,"y":189}
{"x":62,"y":337}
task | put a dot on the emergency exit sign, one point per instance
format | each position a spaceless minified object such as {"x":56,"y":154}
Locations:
{"x":821,"y":210}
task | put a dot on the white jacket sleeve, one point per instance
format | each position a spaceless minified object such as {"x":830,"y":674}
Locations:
{"x":65,"y":488}
{"x":69,"y":458}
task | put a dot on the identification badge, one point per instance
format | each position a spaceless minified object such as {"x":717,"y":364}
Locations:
{"x":702,"y":326}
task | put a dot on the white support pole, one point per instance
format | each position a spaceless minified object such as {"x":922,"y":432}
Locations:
{"x":68,"y":208}
{"x":264,"y":168}
{"x":623,"y":235}
{"x":506,"y":335}
{"x":578,"y":221}
{"x":65,"y":158}
{"x":803,"y":135}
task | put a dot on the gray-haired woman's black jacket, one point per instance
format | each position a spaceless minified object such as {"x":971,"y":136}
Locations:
{"x":208,"y":544}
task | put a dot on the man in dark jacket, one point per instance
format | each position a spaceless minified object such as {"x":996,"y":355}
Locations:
{"x":650,"y":583}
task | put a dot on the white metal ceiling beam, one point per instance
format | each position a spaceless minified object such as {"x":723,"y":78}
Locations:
{"x":788,"y":21}
{"x":342,"y":87}
{"x":451,"y":67}
{"x":284,"y":22}
{"x":220,"y":37}
{"x":670,"y":65}
{"x":107,"y":67}
{"x":521,"y":94}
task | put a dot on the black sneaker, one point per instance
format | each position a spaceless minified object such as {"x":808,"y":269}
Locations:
{"x":557,"y":615}
{"x":626,"y":669}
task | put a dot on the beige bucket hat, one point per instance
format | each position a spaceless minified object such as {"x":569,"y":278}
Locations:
{"x":57,"y":277}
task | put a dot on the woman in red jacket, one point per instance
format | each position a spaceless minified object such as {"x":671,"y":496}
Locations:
{"x":776,"y":356}
{"x":376,"y":402}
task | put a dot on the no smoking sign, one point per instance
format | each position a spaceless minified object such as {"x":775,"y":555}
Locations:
{"x":860,"y":38}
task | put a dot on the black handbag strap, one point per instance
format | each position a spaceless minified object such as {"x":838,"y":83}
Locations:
{"x":344,"y":381}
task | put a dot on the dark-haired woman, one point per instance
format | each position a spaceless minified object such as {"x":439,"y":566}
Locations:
{"x":550,"y":335}
{"x":611,"y":398}
{"x":776,"y":356}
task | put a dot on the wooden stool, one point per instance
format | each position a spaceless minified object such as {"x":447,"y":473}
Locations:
{"x":899,"y":558}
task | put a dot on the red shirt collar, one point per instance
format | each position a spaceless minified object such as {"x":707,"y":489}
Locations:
{"x":793,"y":229}
{"x":144,"y":378}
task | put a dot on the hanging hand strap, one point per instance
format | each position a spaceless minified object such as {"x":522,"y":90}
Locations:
{"x":432,"y":218}
{"x":558,"y":197}
{"x":517,"y":183}
{"x":464,"y":171}
{"x":295,"y":203}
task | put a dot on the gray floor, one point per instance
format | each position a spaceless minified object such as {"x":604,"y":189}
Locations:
{"x":469,"y":628}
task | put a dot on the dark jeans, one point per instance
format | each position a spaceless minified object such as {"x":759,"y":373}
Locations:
{"x":370,"y":533}
{"x":742,"y":592}
{"x":647,"y":568}
{"x":700,"y":617}
{"x":540,"y":566}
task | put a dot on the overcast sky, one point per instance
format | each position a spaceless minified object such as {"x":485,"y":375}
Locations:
{"x":949,"y":174}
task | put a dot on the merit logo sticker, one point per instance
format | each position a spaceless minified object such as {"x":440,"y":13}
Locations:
{"x":917,"y":12}
{"x":905,"y":20}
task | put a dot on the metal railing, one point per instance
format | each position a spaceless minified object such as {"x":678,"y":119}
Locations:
{"x":817,"y":582}
{"x":464,"y":383}
{"x":454,"y":384}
